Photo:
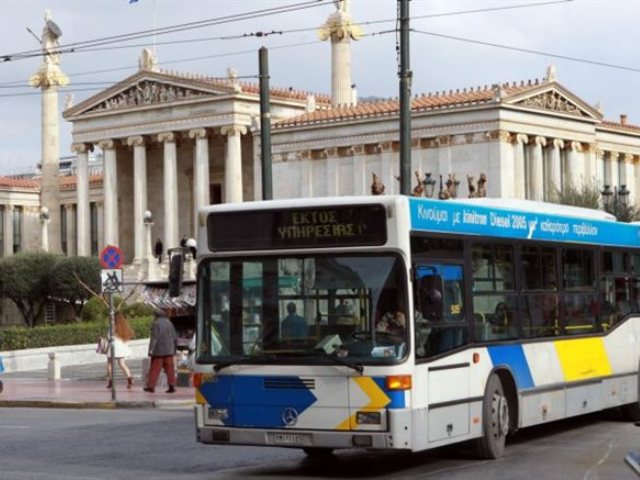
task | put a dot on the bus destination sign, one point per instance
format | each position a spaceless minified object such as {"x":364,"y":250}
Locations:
{"x":312,"y":227}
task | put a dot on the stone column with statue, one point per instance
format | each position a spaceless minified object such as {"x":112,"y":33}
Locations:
{"x":48,"y":78}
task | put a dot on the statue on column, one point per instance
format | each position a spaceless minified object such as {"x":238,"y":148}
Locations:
{"x":50,"y":40}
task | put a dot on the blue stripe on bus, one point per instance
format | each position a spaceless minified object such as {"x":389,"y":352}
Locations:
{"x":513,"y":356}
{"x":251,"y":404}
{"x":466,"y":218}
{"x":396,"y":397}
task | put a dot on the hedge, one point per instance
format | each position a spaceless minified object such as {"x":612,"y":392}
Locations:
{"x":18,"y":338}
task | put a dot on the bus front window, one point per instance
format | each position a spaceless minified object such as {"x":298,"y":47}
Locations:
{"x":277,"y":308}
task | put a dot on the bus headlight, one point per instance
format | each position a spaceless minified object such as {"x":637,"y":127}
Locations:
{"x":218,"y":413}
{"x":368,"y":418}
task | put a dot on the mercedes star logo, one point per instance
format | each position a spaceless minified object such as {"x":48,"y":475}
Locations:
{"x":289,"y":416}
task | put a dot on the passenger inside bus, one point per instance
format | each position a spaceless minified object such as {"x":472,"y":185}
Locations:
{"x":293,"y":325}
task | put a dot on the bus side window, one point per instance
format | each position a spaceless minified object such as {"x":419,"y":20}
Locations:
{"x":430,"y":294}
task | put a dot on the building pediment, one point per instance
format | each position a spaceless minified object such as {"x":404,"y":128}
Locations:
{"x":146,"y":89}
{"x":552,"y":97}
{"x":147,"y":92}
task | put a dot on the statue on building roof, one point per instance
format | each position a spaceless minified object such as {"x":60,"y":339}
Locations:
{"x":551,"y":74}
{"x":147,"y":60}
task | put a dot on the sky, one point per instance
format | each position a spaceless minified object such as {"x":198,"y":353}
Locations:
{"x":595,"y":32}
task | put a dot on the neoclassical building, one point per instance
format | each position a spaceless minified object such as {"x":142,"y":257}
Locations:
{"x":173,"y":142}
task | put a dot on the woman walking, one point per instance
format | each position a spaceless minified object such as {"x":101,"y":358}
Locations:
{"x":122,"y":333}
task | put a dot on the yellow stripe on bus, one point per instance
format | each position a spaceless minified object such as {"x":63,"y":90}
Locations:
{"x":377,"y":400}
{"x":583,"y":358}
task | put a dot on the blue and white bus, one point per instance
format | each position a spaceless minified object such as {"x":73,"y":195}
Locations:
{"x":390,"y":322}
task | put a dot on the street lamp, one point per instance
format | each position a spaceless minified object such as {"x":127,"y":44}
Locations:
{"x":147,"y":220}
{"x":44,"y":221}
{"x":429,"y":185}
{"x":616,"y":201}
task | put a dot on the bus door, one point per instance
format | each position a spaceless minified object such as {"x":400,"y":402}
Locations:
{"x":440,"y":327}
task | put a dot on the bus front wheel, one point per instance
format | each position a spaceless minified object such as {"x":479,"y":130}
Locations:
{"x":495,"y":420}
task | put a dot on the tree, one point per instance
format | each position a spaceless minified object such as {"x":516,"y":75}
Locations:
{"x":24,"y":279}
{"x":64,"y":284}
{"x":588,"y":196}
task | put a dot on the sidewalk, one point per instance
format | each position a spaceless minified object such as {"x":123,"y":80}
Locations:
{"x":84,"y":386}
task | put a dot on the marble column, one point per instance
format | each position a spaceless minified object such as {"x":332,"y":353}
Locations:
{"x":600,"y":169}
{"x":573,"y":178}
{"x":72,"y":236}
{"x":331,"y":167}
{"x":555,"y":168}
{"x":8,"y":230}
{"x":170,"y":182}
{"x":385,"y":150}
{"x":82,"y":192}
{"x":626,"y":175}
{"x":200,"y":174}
{"x":519,"y":168}
{"x":110,"y":192}
{"x":233,"y":162}
{"x":139,"y":194}
{"x":100,"y":215}
{"x":611,"y":170}
{"x":536,"y":170}
{"x":360,"y":178}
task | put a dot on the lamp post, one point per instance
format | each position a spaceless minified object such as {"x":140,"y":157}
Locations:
{"x":44,"y":221}
{"x":147,"y":220}
{"x":429,"y":185}
{"x":616,"y":201}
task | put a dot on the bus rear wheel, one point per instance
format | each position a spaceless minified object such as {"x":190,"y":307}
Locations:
{"x":495,"y":420}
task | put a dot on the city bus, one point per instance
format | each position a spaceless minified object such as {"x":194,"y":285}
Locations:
{"x":419,"y":323}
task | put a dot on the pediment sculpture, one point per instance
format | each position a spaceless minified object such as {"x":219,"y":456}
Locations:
{"x":552,"y":100}
{"x":147,"y":93}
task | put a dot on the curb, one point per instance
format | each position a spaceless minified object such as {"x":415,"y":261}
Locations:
{"x":107,"y":405}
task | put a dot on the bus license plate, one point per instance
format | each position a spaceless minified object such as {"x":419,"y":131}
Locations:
{"x":291,"y":439}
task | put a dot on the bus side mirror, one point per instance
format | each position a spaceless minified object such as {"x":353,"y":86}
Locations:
{"x":430,"y":291}
{"x":176,"y":262}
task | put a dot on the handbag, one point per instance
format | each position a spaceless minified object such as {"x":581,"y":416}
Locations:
{"x":103,"y":346}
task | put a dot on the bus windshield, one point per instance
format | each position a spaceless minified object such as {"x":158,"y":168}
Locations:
{"x":322,"y":308}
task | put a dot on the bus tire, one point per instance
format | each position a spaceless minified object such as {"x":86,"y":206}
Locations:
{"x":318,"y":452}
{"x":495,"y":420}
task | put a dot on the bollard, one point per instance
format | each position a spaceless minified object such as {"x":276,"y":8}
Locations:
{"x":53,"y":368}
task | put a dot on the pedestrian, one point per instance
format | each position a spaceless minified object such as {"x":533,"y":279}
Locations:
{"x":158,"y":250}
{"x":122,"y":333}
{"x":183,"y":241}
{"x":162,"y":350}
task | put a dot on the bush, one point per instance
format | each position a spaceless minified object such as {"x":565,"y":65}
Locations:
{"x":18,"y":338}
{"x":138,"y":309}
{"x":94,"y":310}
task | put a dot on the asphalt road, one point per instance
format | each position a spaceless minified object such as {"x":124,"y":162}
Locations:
{"x":124,"y":444}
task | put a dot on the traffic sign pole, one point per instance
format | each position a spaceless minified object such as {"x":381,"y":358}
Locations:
{"x":112,"y":323}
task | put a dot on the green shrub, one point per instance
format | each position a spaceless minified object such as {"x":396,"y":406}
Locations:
{"x":18,"y":338}
{"x":138,"y":309}
{"x":94,"y":310}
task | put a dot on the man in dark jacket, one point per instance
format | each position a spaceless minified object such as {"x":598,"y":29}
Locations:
{"x":162,"y":349}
